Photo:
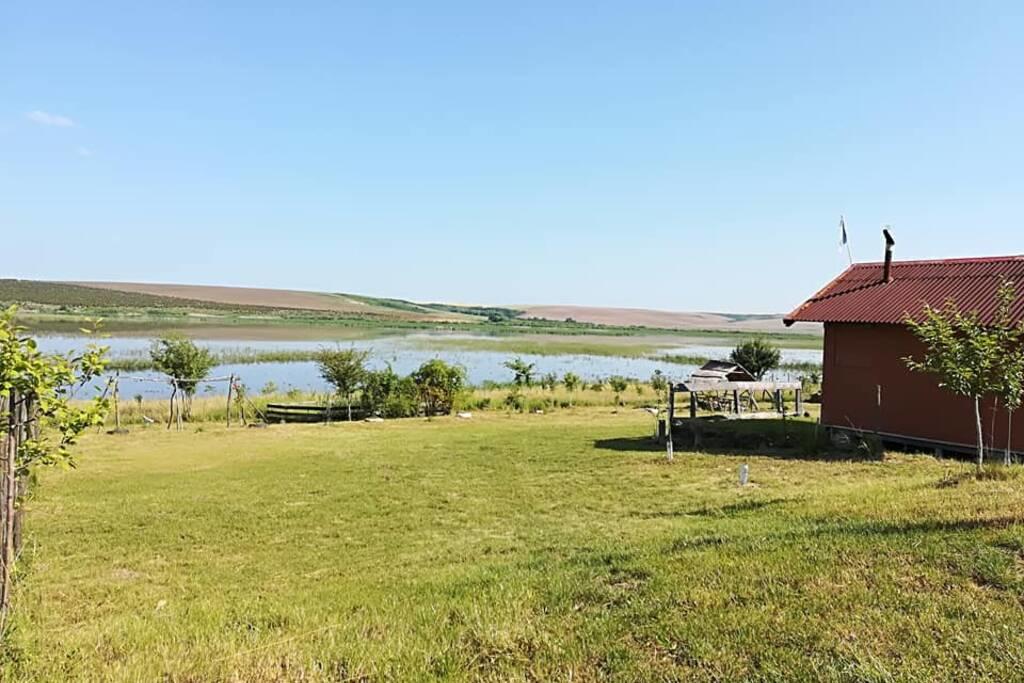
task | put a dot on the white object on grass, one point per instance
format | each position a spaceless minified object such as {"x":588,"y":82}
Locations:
{"x":744,"y":474}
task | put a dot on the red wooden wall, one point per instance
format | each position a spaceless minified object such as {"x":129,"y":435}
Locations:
{"x":866,"y":385}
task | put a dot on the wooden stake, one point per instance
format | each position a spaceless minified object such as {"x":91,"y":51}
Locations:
{"x":669,"y":446}
{"x":231,"y":385}
{"x":170,"y":414}
{"x":181,"y":408}
{"x":117,"y":407}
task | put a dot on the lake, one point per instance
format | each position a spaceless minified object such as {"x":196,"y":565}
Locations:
{"x":404,"y":354}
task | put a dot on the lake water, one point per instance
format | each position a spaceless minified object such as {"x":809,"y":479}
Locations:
{"x":404,"y":354}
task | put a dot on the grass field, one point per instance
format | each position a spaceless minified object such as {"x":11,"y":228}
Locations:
{"x":525,"y":547}
{"x":47,"y":307}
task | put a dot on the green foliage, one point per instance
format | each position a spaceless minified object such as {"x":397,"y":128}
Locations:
{"x":970,"y":358}
{"x":239,"y":394}
{"x":571,"y":381}
{"x":758,"y":356}
{"x":387,"y":394}
{"x":439,"y":385}
{"x":343,"y":369}
{"x":522,"y":371}
{"x":49,"y":380}
{"x":618,"y":384}
{"x":185,"y":363}
{"x":269,"y":388}
{"x":659,"y":382}
{"x":549,"y":381}
{"x":180,"y":359}
{"x":515,"y":400}
{"x":1009,"y":339}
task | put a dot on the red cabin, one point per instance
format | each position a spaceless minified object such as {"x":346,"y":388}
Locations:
{"x":866,"y":385}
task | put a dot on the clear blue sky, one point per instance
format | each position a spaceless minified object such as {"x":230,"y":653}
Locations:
{"x":689,"y":156}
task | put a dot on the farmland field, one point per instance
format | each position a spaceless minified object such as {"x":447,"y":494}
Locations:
{"x":510,"y":547}
{"x":132,"y":308}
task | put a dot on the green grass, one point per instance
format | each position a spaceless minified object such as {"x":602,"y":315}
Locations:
{"x":536,"y":547}
{"x":239,"y":356}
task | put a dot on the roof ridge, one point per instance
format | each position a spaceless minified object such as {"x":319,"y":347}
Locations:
{"x":940,"y":261}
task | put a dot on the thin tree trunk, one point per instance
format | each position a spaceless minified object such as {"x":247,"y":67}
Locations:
{"x":117,"y":406}
{"x":7,"y":496}
{"x":992,"y":430}
{"x":1009,"y":437}
{"x":170,"y":413}
{"x":981,"y":434}
{"x":348,"y":402}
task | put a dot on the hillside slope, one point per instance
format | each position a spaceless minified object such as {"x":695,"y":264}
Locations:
{"x":277,"y":299}
{"x":656,"y":318}
{"x":260,"y":300}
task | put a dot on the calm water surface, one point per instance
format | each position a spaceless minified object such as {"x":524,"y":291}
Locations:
{"x":404,"y":354}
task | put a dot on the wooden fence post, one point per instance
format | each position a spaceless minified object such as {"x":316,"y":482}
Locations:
{"x":170,"y":407}
{"x":117,"y":407}
{"x":231,"y":386}
{"x":669,"y":446}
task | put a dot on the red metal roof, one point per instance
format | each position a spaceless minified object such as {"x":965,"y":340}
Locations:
{"x":859,"y":295}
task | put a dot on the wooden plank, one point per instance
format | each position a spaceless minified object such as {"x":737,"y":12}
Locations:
{"x":701,"y":385}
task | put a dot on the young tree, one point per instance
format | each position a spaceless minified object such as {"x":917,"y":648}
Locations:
{"x":439,"y":385}
{"x":659,"y":382}
{"x":618,"y":384}
{"x":572,"y":382}
{"x":522,"y":370}
{"x":1009,"y":371}
{"x":758,"y":356}
{"x":185,"y":363}
{"x":962,"y":352}
{"x":343,"y":369}
{"x":38,"y":423}
{"x":549,"y":381}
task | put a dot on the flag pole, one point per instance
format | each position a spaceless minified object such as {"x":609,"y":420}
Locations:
{"x":844,"y":239}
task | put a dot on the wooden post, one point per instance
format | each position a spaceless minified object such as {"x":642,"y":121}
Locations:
{"x":778,"y":400}
{"x":230,"y":385}
{"x":117,"y":406}
{"x":669,"y":446}
{"x":170,"y":409}
{"x":736,"y":401}
{"x":181,"y":408}
{"x":799,"y":401}
{"x":693,"y":405}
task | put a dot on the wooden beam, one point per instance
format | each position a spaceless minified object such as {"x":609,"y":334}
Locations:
{"x":709,"y":385}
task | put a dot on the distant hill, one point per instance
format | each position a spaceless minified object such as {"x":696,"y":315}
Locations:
{"x":655,"y":318}
{"x":255,"y":299}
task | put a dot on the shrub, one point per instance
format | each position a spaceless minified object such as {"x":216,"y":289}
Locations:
{"x":387,"y":394}
{"x":439,"y":385}
{"x":344,"y":369}
{"x":758,"y":356}
{"x":185,"y":363}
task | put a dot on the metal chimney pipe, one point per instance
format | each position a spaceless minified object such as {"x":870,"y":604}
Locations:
{"x":889,"y":242}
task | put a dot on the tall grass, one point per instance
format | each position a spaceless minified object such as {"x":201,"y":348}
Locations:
{"x":239,"y":356}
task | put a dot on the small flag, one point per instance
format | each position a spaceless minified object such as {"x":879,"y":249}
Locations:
{"x":844,"y":240}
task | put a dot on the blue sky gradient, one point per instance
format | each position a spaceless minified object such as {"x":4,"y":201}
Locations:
{"x":688,"y":156}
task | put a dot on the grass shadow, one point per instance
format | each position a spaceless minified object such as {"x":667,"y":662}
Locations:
{"x":635,"y":444}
